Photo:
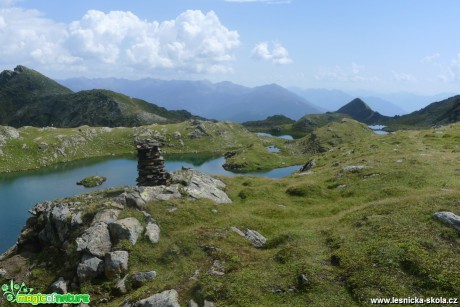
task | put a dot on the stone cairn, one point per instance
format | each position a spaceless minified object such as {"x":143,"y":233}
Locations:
{"x":150,"y":164}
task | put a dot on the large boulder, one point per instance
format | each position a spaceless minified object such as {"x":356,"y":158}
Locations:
{"x":168,"y":298}
{"x":116,"y":264}
{"x":184,"y":183}
{"x":126,"y":229}
{"x":95,"y":240}
{"x":449,"y":219}
{"x":198,"y":185}
{"x":89,"y":268}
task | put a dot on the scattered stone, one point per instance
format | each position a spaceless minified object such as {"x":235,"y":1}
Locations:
{"x":167,"y":298}
{"x":126,"y":229}
{"x":95,"y":240}
{"x":371,"y":175}
{"x":214,"y":211}
{"x":192,"y":303}
{"x":140,"y":278}
{"x":177,"y":134}
{"x":116,"y":264}
{"x":106,"y":216}
{"x":341,"y":186}
{"x":217,"y":268}
{"x":302,"y":281}
{"x":449,"y":219}
{"x":354,"y":168}
{"x":257,"y":240}
{"x":309,"y":165}
{"x":152,"y":231}
{"x":3,"y":273}
{"x":135,"y":200}
{"x":209,"y":304}
{"x":91,"y":182}
{"x":59,"y":286}
{"x":89,"y":268}
{"x":120,"y":287}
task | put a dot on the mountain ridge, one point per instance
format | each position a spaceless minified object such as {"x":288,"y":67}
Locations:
{"x":28,"y":98}
{"x":223,"y":100}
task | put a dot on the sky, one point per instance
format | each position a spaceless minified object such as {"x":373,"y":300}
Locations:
{"x":382,"y":46}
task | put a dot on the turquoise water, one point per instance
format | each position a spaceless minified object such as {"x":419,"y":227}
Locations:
{"x":286,"y":137}
{"x":22,"y":190}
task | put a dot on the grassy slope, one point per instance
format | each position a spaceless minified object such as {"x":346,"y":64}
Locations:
{"x":39,"y":147}
{"x":375,"y":237}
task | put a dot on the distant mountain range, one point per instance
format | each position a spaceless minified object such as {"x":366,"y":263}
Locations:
{"x":29,"y":98}
{"x":437,"y":113}
{"x":222,"y":101}
{"x":385,"y":104}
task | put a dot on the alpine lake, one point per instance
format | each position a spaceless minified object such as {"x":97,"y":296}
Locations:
{"x":20,"y":191}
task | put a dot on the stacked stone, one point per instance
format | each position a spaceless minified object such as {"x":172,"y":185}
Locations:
{"x":150,"y":165}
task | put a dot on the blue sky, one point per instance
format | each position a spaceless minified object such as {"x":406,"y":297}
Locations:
{"x":383,"y":46}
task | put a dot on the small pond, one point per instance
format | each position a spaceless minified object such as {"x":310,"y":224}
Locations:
{"x":20,"y":191}
{"x":378,"y":129}
{"x":286,"y":137}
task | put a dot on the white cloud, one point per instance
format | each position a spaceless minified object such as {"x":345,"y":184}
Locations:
{"x":118,"y":41}
{"x":27,"y":38}
{"x":451,"y":73}
{"x":277,"y":53}
{"x":431,"y":58}
{"x":403,"y":77}
{"x":338,"y":73}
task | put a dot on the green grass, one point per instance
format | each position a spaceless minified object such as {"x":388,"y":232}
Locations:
{"x":354,"y":236}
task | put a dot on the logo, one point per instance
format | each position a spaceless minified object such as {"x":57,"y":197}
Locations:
{"x":21,"y":294}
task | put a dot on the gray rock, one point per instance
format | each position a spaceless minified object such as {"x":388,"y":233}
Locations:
{"x":59,"y":286}
{"x":309,"y":165}
{"x":167,"y":298}
{"x":140,"y":278}
{"x":218,"y":268}
{"x":192,"y":303}
{"x":41,"y":208}
{"x":59,"y":217}
{"x":449,"y":219}
{"x":133,"y":199}
{"x":3,"y":273}
{"x":198,"y":185}
{"x":257,"y":240}
{"x":354,"y":168}
{"x":95,"y":240}
{"x":89,"y":268}
{"x":152,"y":231}
{"x":186,"y":183}
{"x":209,"y":304}
{"x":116,"y":264}
{"x":76,"y":220}
{"x":126,"y":229}
{"x":120,"y":287}
{"x":107,"y":216}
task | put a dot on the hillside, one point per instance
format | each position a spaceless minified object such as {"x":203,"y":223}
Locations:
{"x":358,"y":225}
{"x":360,"y":111}
{"x":438,"y":113}
{"x":28,"y":98}
{"x":222,"y":101}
